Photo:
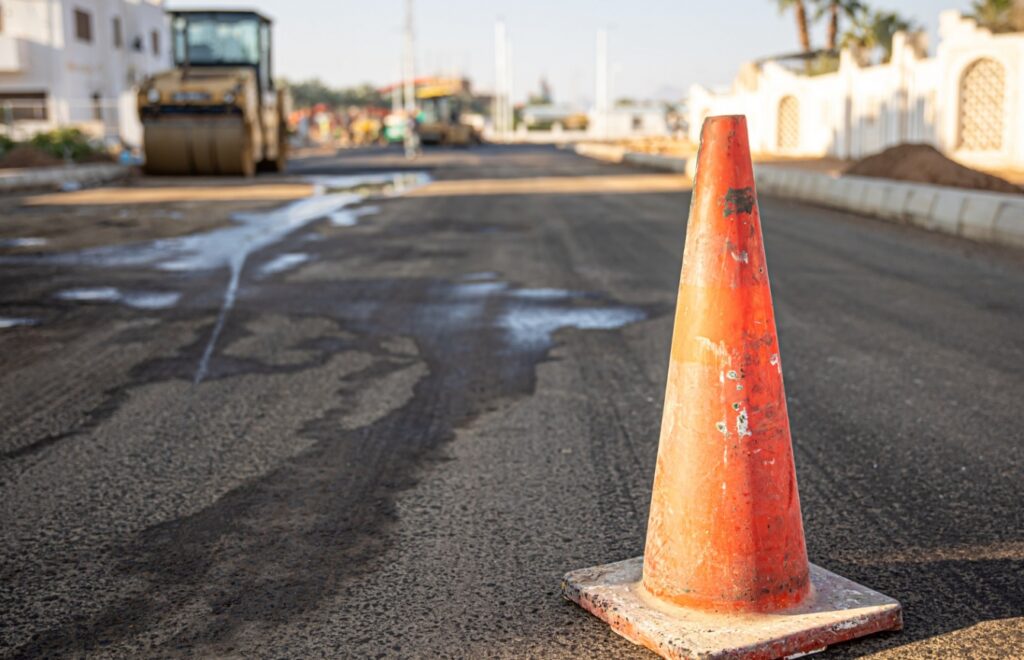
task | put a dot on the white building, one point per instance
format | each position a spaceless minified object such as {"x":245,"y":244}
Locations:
{"x":628,"y":121}
{"x":78,"y":62}
{"x":967,"y":100}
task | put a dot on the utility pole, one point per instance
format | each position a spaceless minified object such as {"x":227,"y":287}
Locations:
{"x":503,"y":112}
{"x":510,"y":117}
{"x":410,"y":61}
{"x":601,"y":83}
{"x":410,"y":138}
{"x":500,"y":69}
{"x":396,"y":92}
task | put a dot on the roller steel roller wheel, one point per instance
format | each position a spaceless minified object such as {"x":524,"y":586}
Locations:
{"x":206,"y":146}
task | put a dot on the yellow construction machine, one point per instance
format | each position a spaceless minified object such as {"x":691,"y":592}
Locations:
{"x":441,"y":114}
{"x":218,"y":111}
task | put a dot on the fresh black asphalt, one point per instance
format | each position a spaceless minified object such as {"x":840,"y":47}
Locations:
{"x":402,"y":442}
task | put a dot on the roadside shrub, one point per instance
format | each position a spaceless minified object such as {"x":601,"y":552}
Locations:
{"x":52,"y":148}
{"x":65,"y":143}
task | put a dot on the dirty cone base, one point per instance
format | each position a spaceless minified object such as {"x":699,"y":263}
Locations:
{"x":836,"y":611}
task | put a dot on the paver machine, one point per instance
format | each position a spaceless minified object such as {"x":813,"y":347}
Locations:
{"x":218,"y":111}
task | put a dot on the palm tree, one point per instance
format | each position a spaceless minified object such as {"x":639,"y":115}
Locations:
{"x":999,"y":15}
{"x":800,"y":13}
{"x":835,"y":8}
{"x":876,"y":29}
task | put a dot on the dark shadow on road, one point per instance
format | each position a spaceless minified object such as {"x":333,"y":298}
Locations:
{"x":960,"y":594}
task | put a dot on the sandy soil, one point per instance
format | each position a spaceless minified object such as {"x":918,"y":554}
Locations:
{"x":922,"y":163}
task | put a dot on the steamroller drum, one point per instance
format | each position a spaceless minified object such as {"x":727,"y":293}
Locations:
{"x":222,"y":146}
{"x":166,"y":148}
{"x":199,"y":146}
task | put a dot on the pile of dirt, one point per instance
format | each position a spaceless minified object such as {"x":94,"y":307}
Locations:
{"x":922,"y":163}
{"x":26,"y":155}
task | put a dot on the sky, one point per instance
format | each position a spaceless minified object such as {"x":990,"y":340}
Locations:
{"x":657,"y":48}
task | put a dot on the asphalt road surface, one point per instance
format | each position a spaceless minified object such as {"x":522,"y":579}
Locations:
{"x":386,"y":426}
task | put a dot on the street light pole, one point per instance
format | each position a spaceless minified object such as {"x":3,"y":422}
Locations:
{"x":601,"y":83}
{"x":410,"y":61}
{"x":510,"y":117}
{"x":500,"y":100}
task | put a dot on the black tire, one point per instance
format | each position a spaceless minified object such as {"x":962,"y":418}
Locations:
{"x":280,"y":163}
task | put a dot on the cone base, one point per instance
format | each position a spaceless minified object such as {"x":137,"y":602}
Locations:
{"x":836,"y":611}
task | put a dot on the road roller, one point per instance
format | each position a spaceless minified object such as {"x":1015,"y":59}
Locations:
{"x":218,"y":111}
{"x":441,"y":117}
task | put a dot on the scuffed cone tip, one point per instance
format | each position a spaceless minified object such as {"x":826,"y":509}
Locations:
{"x":725,"y":530}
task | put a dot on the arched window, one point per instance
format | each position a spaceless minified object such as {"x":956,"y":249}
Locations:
{"x":788,"y":127}
{"x":982,"y":98}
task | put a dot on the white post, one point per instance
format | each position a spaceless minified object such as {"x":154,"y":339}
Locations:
{"x":396,"y":91}
{"x":498,"y":116}
{"x":601,"y":83}
{"x":509,"y":103}
{"x":410,"y":61}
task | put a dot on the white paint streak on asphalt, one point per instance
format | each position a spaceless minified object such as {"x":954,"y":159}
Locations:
{"x":532,"y":327}
{"x":350,"y":217}
{"x":233,"y":245}
{"x":230,"y":246}
{"x":136,"y":299}
{"x":27,"y":241}
{"x":283,"y":262}
{"x":15,"y":321}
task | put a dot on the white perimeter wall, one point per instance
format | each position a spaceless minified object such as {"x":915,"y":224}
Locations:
{"x":858,"y":110}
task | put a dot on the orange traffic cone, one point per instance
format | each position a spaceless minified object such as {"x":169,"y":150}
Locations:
{"x":725,"y":572}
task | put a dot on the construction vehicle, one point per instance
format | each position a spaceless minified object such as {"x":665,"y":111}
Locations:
{"x":440,"y":120}
{"x":395,"y":124}
{"x":218,"y":111}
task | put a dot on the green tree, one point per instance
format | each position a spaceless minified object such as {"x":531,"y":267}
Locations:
{"x":835,"y":9}
{"x":875,"y":30}
{"x":312,"y":92}
{"x":999,"y":15}
{"x":800,"y":14}
{"x":362,"y":95}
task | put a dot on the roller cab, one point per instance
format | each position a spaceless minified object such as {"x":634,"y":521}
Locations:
{"x":218,"y":111}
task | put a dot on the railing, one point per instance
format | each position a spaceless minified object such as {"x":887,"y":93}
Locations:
{"x":12,"y":110}
{"x":20,"y":118}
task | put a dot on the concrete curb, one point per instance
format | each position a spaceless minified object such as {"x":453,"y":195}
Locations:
{"x":975,"y":214}
{"x":670,"y":163}
{"x":54,"y":177}
{"x":606,"y":152}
